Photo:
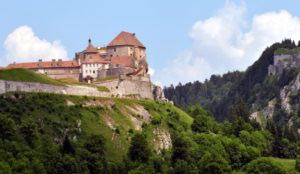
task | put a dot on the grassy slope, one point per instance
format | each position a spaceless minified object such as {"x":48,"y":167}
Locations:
{"x":30,"y":76}
{"x":26,"y":76}
{"x":58,"y":116}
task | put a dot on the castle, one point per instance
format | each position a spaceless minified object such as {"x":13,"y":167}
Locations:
{"x":284,"y":59}
{"x":121,"y":67}
{"x":124,"y":55}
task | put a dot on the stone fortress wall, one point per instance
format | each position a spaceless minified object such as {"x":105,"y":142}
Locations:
{"x":284,"y":61}
{"x":132,"y":87}
{"x":129,"y":88}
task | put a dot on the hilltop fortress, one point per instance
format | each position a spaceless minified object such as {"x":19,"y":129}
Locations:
{"x":284,"y":59}
{"x":124,"y":55}
{"x":121,"y":66}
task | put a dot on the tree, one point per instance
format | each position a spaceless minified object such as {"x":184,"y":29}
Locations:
{"x":5,"y":168}
{"x":182,"y":167}
{"x":139,"y":149}
{"x":213,"y":163}
{"x":180,"y":148}
{"x":203,"y":121}
{"x":7,"y":127}
{"x":67,"y":146}
{"x":96,"y":145}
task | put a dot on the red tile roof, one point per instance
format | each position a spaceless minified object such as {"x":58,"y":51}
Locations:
{"x":90,"y":48}
{"x":125,"y":38}
{"x":44,"y":64}
{"x":122,"y":60}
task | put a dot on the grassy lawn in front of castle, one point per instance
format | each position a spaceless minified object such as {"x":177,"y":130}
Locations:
{"x":24,"y":75}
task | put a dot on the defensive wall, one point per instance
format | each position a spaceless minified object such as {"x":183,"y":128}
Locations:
{"x":128,"y":88}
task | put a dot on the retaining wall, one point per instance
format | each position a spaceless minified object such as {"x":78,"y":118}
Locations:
{"x":129,"y":88}
{"x":118,"y":88}
{"x":13,"y":86}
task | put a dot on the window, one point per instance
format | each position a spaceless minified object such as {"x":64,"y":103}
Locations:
{"x":115,"y":49}
{"x":94,"y":72}
{"x":90,"y":71}
{"x":130,"y":48}
{"x":86,"y":71}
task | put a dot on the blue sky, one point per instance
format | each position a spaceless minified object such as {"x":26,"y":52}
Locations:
{"x":174,"y":32}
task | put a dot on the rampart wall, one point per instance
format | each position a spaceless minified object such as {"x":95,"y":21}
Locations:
{"x":136,"y":87}
{"x":118,"y":88}
{"x":13,"y":86}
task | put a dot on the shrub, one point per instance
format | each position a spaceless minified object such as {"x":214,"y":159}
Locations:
{"x":139,"y":149}
{"x":265,"y":166}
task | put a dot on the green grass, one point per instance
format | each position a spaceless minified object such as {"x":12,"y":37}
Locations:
{"x":103,"y":89}
{"x":281,"y":51}
{"x":27,"y":76}
{"x":24,"y":75}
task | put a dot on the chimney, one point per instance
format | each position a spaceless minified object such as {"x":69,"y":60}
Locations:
{"x":60,"y":60}
{"x":40,"y":60}
{"x":53,"y":60}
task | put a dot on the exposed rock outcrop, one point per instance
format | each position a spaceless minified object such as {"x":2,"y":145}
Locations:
{"x":162,"y":140}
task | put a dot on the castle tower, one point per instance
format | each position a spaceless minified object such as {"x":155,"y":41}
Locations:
{"x":127,"y":44}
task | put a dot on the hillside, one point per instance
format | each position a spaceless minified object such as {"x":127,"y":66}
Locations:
{"x":50,"y":133}
{"x":39,"y":124}
{"x":220,"y":93}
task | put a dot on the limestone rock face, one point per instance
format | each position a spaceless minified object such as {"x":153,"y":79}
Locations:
{"x":285,"y":101}
{"x":162,"y":140}
{"x":158,"y":93}
{"x":286,"y":92}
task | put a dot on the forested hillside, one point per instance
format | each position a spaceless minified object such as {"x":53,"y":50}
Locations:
{"x":46,"y":133}
{"x":219,"y":93}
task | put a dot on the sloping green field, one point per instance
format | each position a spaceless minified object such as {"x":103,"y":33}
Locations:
{"x":26,"y":76}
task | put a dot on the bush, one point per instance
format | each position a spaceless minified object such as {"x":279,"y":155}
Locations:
{"x":265,"y":166}
{"x":139,"y":149}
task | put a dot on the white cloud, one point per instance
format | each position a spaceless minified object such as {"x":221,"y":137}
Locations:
{"x":23,"y":45}
{"x":227,"y":41}
{"x":151,"y":71}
